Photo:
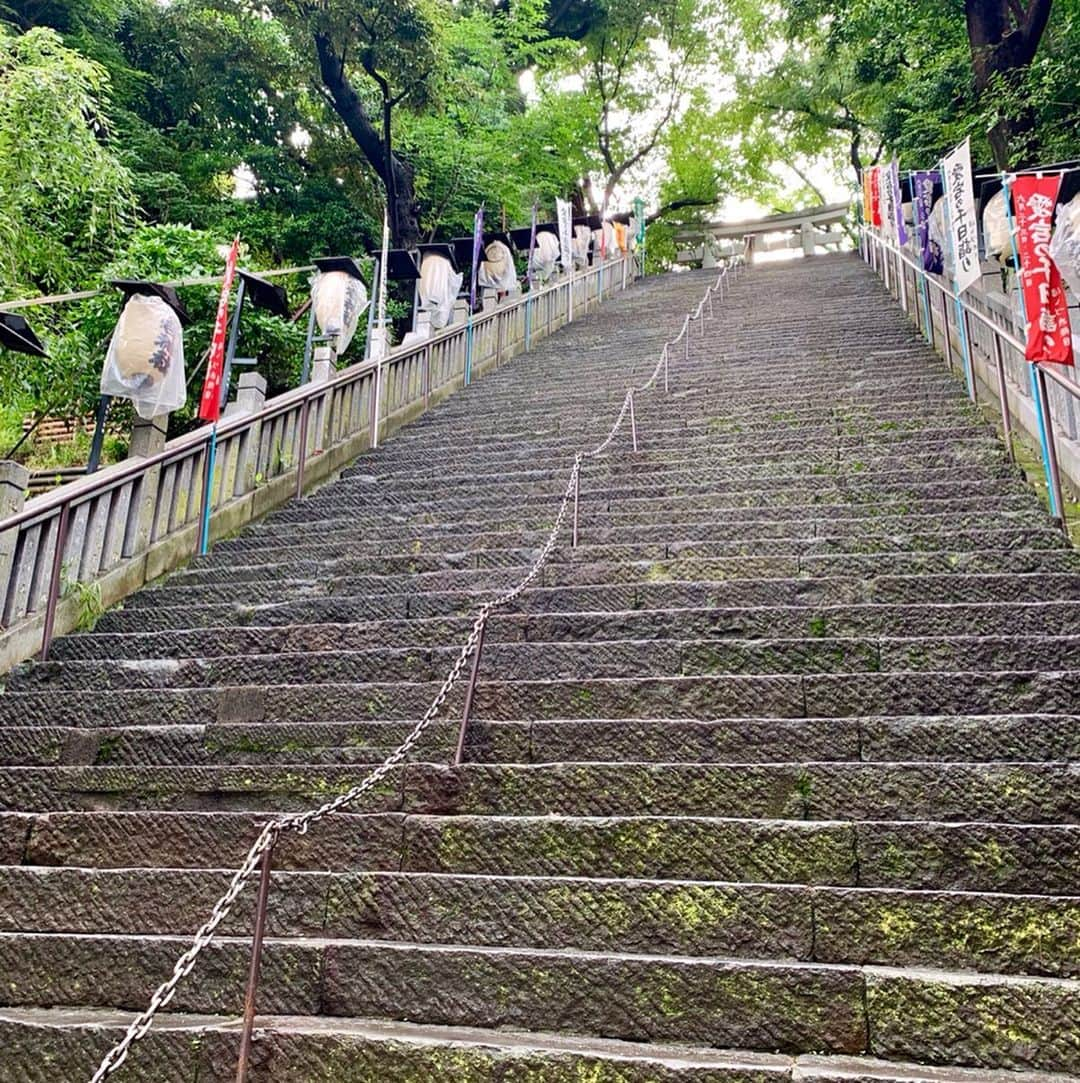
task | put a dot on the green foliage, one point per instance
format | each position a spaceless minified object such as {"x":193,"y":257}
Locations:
{"x":64,"y":196}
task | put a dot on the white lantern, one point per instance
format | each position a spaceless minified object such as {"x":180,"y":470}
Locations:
{"x":438,"y":288}
{"x":338,"y":299}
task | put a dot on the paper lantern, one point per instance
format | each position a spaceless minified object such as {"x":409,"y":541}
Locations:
{"x":545,"y":255}
{"x":1065,"y":244}
{"x":338,"y":299}
{"x":438,"y":289}
{"x":145,"y":362}
{"x":580,"y":246}
{"x":996,"y":227}
{"x":496,"y":270}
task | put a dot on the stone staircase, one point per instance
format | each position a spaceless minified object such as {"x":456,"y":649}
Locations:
{"x":772,"y":778}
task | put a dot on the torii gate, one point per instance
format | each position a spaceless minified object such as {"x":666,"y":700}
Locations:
{"x":807,"y":229}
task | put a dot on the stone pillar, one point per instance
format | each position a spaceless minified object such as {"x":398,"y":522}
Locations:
{"x":808,"y":239}
{"x":250,"y":399}
{"x":147,"y":438}
{"x":14,"y":480}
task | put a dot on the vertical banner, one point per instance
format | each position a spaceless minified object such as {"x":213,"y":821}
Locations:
{"x":963,"y":229}
{"x":923,"y":185}
{"x":477,"y":248}
{"x":875,"y":197}
{"x":886,"y":204}
{"x":898,"y":203}
{"x":565,"y":217}
{"x":867,"y":208}
{"x":210,"y":403}
{"x":1049,"y":336}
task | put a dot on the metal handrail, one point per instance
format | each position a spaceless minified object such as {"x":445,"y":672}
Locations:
{"x":1039,"y":371}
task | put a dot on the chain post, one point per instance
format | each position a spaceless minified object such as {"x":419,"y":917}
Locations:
{"x":470,"y":692}
{"x":256,"y":962}
{"x":577,"y":497}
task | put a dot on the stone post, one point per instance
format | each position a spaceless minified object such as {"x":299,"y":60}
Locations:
{"x":14,"y":480}
{"x":250,"y":399}
{"x":147,"y":439}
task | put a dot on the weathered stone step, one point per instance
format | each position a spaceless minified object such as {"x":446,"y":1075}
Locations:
{"x":976,"y":619}
{"x":309,"y":600}
{"x":964,"y":856}
{"x":657,"y":543}
{"x":330,"y":580}
{"x":713,"y":1000}
{"x":963,"y":930}
{"x":831,"y":790}
{"x":784,"y":696}
{"x":187,"y":1048}
{"x":626,"y":563}
{"x":948,"y":737}
{"x":566,"y":661}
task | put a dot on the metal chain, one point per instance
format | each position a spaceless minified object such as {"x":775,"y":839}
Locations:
{"x":301,"y":822}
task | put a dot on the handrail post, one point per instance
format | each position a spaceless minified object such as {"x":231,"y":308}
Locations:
{"x":470,"y":692}
{"x":1003,"y":397}
{"x":633,"y":422}
{"x":302,"y":451}
{"x":1046,"y":433}
{"x":256,"y":963}
{"x":53,"y":596}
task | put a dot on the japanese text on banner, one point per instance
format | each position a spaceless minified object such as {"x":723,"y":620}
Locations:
{"x":1049,"y":336}
{"x":959,"y":191}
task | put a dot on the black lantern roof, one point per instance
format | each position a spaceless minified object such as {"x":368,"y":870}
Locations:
{"x":129,"y":287}
{"x":265,"y":295}
{"x":439,"y":249}
{"x":16,"y":334}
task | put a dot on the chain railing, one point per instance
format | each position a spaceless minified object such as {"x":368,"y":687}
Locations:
{"x":260,"y":855}
{"x":981,"y":338}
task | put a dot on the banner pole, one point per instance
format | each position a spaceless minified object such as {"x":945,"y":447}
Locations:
{"x":1044,"y":441}
{"x":208,"y":483}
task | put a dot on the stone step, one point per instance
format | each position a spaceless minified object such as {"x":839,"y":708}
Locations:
{"x":1022,"y":738}
{"x":715,"y":1000}
{"x":898,"y":621}
{"x":961,"y":930}
{"x":1032,"y":792}
{"x":618,"y":564}
{"x":915,"y":855}
{"x":310,"y":599}
{"x":565,"y":661}
{"x":186,"y":1048}
{"x":824,"y":695}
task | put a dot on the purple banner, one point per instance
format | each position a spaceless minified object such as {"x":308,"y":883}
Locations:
{"x":923,"y":202}
{"x":477,"y":248}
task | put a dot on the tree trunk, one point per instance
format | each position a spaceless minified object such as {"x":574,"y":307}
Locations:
{"x":397,"y":176}
{"x":1004,"y":38}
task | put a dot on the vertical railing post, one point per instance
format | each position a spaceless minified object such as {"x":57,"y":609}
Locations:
{"x":56,"y":574}
{"x":301,"y":459}
{"x":14,"y":482}
{"x":1003,"y":396}
{"x":470,"y":692}
{"x":1046,"y":434}
{"x":256,"y":962}
{"x":969,"y":355}
{"x":633,"y":421}
{"x":665,"y":356}
{"x":426,"y":377}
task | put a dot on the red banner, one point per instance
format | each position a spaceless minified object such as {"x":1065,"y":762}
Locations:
{"x":1049,"y":337}
{"x":875,"y":197}
{"x":210,"y":404}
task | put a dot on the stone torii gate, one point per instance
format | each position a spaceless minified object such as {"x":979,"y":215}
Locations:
{"x":809,"y":229}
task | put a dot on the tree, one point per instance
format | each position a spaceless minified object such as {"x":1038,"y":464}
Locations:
{"x":1004,"y":37}
{"x":381,"y":50}
{"x":65,"y":197}
{"x":638,"y":62}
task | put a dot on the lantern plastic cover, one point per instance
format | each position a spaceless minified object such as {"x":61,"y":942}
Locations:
{"x":610,"y":244}
{"x":439,"y":286}
{"x":996,"y":227}
{"x":545,"y":256}
{"x":631,"y":233}
{"x":1065,"y":244}
{"x":581,"y":242}
{"x":339,"y":301}
{"x":145,"y":362}
{"x":496,"y":270}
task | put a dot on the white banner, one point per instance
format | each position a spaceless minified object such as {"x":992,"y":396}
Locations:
{"x":963,"y":225}
{"x":564,"y":214}
{"x":888,"y":203}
